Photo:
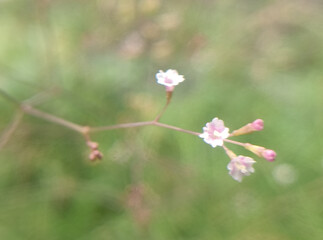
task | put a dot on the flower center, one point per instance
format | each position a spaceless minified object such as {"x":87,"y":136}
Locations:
{"x":168,"y":80}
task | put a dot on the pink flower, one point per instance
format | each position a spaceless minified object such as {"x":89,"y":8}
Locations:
{"x":170,"y":79}
{"x":215,"y":132}
{"x":240,"y":166}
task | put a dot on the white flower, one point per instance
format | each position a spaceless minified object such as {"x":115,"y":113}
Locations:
{"x":215,"y":132}
{"x":170,"y":78}
{"x":240,"y":166}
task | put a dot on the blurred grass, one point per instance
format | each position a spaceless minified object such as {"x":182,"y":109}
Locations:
{"x":242,"y":60}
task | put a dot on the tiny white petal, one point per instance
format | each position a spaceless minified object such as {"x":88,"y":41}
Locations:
{"x":169,"y":78}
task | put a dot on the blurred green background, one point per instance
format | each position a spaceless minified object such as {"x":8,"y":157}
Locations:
{"x":93,"y":62}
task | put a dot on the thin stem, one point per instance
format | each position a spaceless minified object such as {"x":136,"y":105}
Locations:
{"x":234,"y":142}
{"x":175,"y":128}
{"x":41,"y":97}
{"x":9,"y":98}
{"x":122,"y":125}
{"x":229,"y":152}
{"x":140,"y":124}
{"x":51,"y":118}
{"x":7,"y":133}
{"x":169,"y":97}
{"x":85,"y":130}
{"x":46,"y":116}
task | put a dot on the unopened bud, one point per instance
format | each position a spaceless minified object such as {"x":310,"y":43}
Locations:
{"x":255,"y":149}
{"x":269,"y":155}
{"x":93,"y":145}
{"x":256,"y":125}
{"x":95,"y":155}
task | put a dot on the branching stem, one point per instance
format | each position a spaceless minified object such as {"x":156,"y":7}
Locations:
{"x":175,"y":128}
{"x":168,"y":99}
{"x":118,"y":126}
{"x":52,"y":118}
{"x":86,"y":130}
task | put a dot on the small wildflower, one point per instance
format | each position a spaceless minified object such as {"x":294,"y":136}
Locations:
{"x":256,"y":125}
{"x":170,"y":79}
{"x":215,"y":132}
{"x":240,"y":166}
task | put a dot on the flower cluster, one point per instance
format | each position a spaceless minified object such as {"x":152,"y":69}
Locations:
{"x":95,"y":153}
{"x":215,"y":133}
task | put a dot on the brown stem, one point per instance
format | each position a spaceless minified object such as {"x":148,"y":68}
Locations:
{"x":51,"y":118}
{"x":9,"y":98}
{"x":46,"y":116}
{"x":169,"y":97}
{"x":175,"y":128}
{"x":10,"y":129}
{"x":122,"y":125}
{"x":85,"y":130}
{"x":41,"y":97}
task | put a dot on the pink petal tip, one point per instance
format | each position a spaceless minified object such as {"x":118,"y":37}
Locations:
{"x":258,"y":125}
{"x":269,"y":155}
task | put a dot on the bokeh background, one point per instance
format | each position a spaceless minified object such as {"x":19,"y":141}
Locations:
{"x":94,"y":63}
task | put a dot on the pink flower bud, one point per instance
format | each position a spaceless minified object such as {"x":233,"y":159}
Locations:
{"x":95,"y":155}
{"x":258,"y":150}
{"x":258,"y":125}
{"x":269,"y":155}
{"x":93,"y":145}
{"x":92,"y":156}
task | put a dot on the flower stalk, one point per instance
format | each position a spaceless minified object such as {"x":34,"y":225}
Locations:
{"x":215,"y":133}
